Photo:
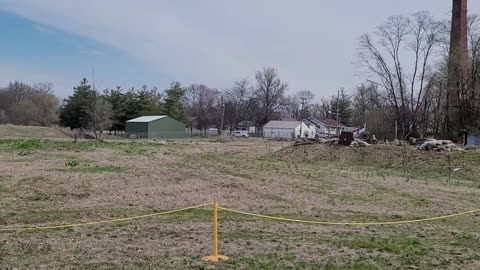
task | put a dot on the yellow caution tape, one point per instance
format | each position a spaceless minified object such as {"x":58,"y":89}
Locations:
{"x":348,"y":223}
{"x":64,"y":226}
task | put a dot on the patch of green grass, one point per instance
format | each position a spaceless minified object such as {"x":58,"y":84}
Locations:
{"x":135,"y":149}
{"x":97,"y":169}
{"x":354,"y":266}
{"x":410,"y":250}
{"x":3,"y":188}
{"x":20,"y":145}
{"x":272,"y":261}
{"x":128,"y":147}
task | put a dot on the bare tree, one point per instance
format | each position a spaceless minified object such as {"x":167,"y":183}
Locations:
{"x":22,"y":104}
{"x":46,"y":104}
{"x":473,"y":106}
{"x":270,"y":92}
{"x":322,"y":109}
{"x":306,"y":99}
{"x":412,"y":39}
{"x":238,"y":103}
{"x":199,"y":102}
{"x":101,"y":115}
{"x":366,"y":98}
{"x":292,"y":107}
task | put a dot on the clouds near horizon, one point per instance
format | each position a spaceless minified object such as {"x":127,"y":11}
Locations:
{"x":312,"y":43}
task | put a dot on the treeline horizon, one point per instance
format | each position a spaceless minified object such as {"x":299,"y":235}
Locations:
{"x":404,"y":63}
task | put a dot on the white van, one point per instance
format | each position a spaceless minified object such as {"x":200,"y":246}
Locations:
{"x":240,"y":133}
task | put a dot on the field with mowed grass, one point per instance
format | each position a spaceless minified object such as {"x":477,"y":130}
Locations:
{"x":48,"y":182}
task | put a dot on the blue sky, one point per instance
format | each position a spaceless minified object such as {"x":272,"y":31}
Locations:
{"x":312,"y":43}
{"x":36,"y":52}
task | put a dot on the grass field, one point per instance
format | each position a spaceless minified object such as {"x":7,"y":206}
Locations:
{"x":47,"y":182}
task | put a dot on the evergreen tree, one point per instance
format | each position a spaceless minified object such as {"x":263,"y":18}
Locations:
{"x":344,"y":107}
{"x":74,"y":112}
{"x":173,"y":106}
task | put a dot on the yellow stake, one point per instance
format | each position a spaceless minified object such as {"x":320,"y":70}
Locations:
{"x":215,"y":257}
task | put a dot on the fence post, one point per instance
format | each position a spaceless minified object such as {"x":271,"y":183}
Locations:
{"x":215,"y":257}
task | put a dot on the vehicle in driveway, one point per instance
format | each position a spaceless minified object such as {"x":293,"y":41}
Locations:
{"x":240,"y":133}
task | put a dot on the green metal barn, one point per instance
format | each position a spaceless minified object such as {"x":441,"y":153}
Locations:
{"x":157,"y":126}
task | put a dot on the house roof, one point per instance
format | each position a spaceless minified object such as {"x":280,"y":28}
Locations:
{"x":351,"y":129}
{"x":324,"y":121}
{"x":282,"y":124}
{"x":246,"y":123}
{"x":146,"y":119}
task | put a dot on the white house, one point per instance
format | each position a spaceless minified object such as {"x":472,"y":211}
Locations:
{"x":313,"y":130}
{"x":287,"y":130}
{"x":325,"y":127}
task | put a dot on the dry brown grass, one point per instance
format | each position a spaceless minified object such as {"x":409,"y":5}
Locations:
{"x":14,"y":131}
{"x":252,"y":175}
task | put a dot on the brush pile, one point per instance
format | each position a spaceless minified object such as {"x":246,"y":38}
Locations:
{"x":331,"y":141}
{"x":438,"y":145}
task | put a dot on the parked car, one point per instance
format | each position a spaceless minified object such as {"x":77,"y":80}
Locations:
{"x":240,"y":133}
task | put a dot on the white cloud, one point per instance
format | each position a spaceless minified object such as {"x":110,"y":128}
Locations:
{"x":311,"y":42}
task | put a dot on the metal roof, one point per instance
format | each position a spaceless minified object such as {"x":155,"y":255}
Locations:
{"x":146,"y":119}
{"x":325,"y":121}
{"x":282,"y":124}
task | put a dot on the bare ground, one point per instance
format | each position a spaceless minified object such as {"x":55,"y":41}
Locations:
{"x":112,"y":180}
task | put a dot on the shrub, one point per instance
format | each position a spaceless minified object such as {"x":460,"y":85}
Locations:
{"x":72,"y":163}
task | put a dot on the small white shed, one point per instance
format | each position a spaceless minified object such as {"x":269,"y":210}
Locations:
{"x":286,"y":130}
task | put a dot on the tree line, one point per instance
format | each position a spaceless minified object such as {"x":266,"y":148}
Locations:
{"x":404,"y":63}
{"x":198,"y":105}
{"x":22,"y":104}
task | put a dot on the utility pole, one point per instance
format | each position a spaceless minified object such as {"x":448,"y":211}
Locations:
{"x":338,"y":112}
{"x":93,"y":77}
{"x":94,"y":104}
{"x":303,"y":101}
{"x":222,"y":115}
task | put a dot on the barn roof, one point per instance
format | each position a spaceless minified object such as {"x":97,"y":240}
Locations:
{"x":146,"y":119}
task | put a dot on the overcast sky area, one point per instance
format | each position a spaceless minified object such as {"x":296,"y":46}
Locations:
{"x":312,"y":43}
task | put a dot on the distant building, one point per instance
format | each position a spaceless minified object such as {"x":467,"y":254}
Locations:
{"x":472,"y":139}
{"x":248,"y":126}
{"x":286,"y":130}
{"x":326,"y":127}
{"x":156,"y":126}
